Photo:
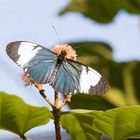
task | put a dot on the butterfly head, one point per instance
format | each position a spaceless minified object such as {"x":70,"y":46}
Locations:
{"x":65,"y":51}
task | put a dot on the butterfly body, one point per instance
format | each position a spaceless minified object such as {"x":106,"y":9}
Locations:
{"x":61,"y":57}
{"x":56,"y":68}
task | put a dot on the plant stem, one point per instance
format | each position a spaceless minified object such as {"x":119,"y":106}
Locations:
{"x":66,"y":100}
{"x":56,"y":108}
{"x":45,"y":97}
{"x":56,"y":114}
{"x":24,"y":138}
{"x":41,"y":91}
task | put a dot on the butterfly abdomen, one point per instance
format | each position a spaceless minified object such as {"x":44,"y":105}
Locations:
{"x":60,"y":60}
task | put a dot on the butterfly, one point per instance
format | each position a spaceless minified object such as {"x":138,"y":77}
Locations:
{"x":64,"y":74}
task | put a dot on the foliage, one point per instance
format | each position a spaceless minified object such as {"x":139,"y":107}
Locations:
{"x":78,"y":124}
{"x":118,"y":124}
{"x":102,"y":11}
{"x":18,"y":117}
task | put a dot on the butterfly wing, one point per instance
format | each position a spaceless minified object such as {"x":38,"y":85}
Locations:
{"x":37,"y":61}
{"x":73,"y":77}
{"x":67,"y":78}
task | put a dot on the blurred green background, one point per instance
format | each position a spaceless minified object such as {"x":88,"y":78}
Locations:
{"x":123,"y":76}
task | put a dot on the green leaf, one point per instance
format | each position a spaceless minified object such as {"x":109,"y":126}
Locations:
{"x":102,"y":11}
{"x":78,"y":124}
{"x":18,"y":117}
{"x":131,"y":6}
{"x":90,"y":102}
{"x":120,"y":123}
{"x":95,"y":50}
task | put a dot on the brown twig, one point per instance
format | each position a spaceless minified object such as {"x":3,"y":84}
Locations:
{"x":56,"y":108}
{"x":41,"y":91}
{"x":45,"y":97}
{"x":66,"y":100}
{"x":25,"y":138}
{"x":56,"y":99}
{"x":56,"y":114}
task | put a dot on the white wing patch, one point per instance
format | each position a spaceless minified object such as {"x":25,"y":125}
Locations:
{"x":89,"y":77}
{"x":26,"y":52}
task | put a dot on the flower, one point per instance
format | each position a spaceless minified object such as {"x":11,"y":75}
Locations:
{"x":70,"y":52}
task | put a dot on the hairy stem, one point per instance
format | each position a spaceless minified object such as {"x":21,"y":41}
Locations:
{"x":56,"y":114}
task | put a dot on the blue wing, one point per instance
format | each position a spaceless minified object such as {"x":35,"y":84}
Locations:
{"x":38,"y":62}
{"x":73,"y":77}
{"x":67,"y":78}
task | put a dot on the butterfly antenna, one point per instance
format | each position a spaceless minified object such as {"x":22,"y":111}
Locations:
{"x":59,"y":40}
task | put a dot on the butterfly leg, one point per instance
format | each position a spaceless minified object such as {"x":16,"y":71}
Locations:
{"x":41,"y":91}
